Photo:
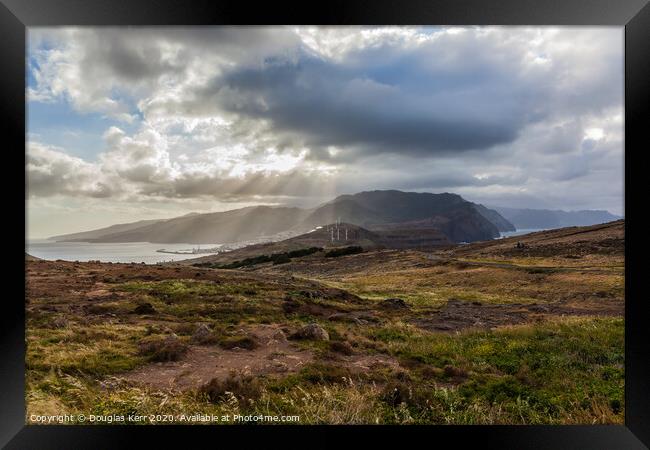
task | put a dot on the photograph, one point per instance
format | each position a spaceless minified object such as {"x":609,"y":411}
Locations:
{"x":325,"y":225}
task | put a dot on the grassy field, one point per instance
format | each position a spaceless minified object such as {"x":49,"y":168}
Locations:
{"x":474,"y":344}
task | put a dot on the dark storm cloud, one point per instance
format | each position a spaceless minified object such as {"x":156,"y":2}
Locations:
{"x":318,"y":104}
{"x":143,"y":54}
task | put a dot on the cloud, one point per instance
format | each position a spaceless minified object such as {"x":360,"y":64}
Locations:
{"x":52,"y":172}
{"x":319,"y":106}
{"x":280,"y":114}
{"x":140,"y":167}
{"x":108,"y":70}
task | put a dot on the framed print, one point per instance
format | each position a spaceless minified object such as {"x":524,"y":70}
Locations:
{"x":372,"y":218}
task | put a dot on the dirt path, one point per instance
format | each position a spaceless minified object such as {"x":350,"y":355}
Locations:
{"x":275,"y":356}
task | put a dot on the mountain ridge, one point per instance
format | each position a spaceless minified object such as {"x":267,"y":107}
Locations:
{"x":459,"y":219}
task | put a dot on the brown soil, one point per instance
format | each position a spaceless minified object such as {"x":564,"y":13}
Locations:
{"x":73,"y":287}
{"x":274,"y":358}
{"x":201,"y":364}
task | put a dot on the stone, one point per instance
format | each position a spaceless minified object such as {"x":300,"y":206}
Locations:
{"x":278,"y":335}
{"x":201,"y":334}
{"x":313,"y":332}
{"x":280,"y":366}
{"x":342,"y":317}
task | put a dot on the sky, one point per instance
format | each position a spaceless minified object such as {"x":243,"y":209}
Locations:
{"x":133,"y":123}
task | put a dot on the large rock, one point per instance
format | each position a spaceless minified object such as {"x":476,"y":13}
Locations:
{"x":313,"y":332}
{"x":202,"y":334}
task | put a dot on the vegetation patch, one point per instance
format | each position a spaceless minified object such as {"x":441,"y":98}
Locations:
{"x":343,"y":251}
{"x":244,"y":388}
{"x":275,"y":258}
{"x":244,"y":342}
{"x":89,"y":350}
{"x":342,"y":347}
{"x":169,"y":348}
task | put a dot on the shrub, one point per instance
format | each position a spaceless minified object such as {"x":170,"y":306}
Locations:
{"x":99,"y":309}
{"x":351,"y":250}
{"x":247,"y":342}
{"x":398,"y":392}
{"x":168,"y":349}
{"x":275,"y":258}
{"x":243,"y":387}
{"x":454,"y":372}
{"x":184,"y":329}
{"x":318,"y":373}
{"x":304,"y":252}
{"x":341,"y":347}
{"x":145,"y":308}
{"x":281,"y":259}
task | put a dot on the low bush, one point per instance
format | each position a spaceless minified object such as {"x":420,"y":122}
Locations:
{"x":351,"y":250}
{"x":243,"y":387}
{"x":320,"y":373}
{"x":246,"y":342}
{"x":342,"y":347}
{"x":168,"y":349}
{"x":275,"y":258}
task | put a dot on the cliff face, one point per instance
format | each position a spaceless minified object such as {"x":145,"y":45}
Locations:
{"x":497,"y":219}
{"x":524,"y":218}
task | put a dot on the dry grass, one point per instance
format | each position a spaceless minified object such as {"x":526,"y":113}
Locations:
{"x":432,"y":287}
{"x":555,"y":371}
{"x":244,"y":388}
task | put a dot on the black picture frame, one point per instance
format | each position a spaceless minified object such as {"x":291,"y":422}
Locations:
{"x":634,"y":15}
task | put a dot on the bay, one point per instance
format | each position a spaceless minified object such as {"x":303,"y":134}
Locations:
{"x":505,"y":234}
{"x":125,"y":252}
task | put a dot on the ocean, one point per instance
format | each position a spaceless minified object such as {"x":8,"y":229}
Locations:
{"x":134,"y":252}
{"x":127,"y":252}
{"x":506,"y":234}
